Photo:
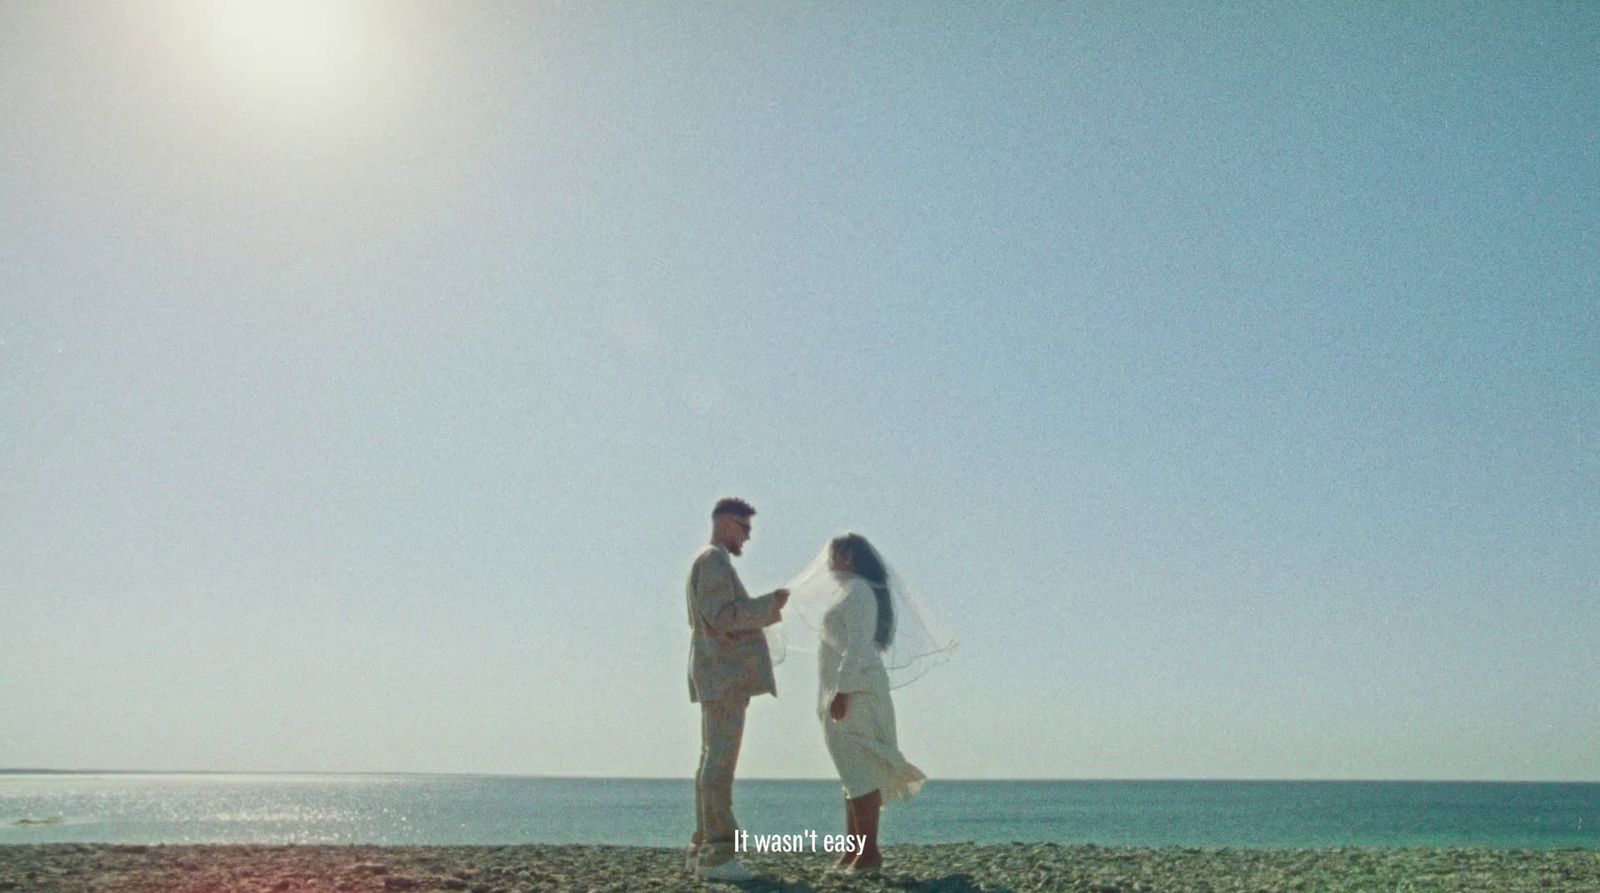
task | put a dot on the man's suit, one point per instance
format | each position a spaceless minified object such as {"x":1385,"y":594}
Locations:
{"x":728,"y":664}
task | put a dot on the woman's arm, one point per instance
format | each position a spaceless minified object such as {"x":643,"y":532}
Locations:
{"x":858,"y":658}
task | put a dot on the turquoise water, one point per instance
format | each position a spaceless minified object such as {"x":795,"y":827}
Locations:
{"x":439,"y":809}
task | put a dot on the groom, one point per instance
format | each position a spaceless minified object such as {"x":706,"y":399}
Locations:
{"x":728,"y":664}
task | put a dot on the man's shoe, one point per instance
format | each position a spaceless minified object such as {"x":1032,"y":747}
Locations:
{"x":730,"y":871}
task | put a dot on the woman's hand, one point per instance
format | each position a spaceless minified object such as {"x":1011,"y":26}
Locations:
{"x":840,"y":705}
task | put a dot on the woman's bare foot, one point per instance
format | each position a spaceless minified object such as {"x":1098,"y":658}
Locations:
{"x":868,"y":860}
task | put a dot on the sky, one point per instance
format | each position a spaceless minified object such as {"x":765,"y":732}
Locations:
{"x":1226,"y":377}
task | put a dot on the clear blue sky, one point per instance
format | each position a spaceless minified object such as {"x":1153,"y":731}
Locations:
{"x":1229,"y":375}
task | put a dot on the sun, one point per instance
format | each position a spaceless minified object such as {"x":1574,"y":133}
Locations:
{"x":287,"y":52}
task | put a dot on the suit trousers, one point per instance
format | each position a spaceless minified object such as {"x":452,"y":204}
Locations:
{"x":721,"y":730}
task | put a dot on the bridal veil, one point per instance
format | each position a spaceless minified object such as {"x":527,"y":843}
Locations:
{"x":919,"y":643}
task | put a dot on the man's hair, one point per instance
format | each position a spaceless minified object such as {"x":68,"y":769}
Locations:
{"x":738,"y":508}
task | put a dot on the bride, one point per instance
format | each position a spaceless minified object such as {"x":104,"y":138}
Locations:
{"x":872,"y":636}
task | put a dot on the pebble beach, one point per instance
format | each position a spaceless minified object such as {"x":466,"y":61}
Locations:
{"x":940,"y":868}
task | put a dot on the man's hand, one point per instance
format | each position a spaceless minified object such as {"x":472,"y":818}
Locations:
{"x":780,"y":597}
{"x":840,"y":706}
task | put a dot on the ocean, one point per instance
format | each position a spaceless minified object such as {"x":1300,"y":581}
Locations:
{"x":460,"y":809}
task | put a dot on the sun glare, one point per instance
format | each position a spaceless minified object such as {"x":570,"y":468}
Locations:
{"x":303,"y":53}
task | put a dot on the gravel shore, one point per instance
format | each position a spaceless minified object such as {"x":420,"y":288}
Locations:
{"x":942,"y":868}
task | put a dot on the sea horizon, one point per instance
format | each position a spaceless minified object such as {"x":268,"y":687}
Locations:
{"x":144,"y":807}
{"x":1132,"y":779}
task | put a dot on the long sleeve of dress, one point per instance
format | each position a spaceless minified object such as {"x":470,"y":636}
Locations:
{"x":859,"y":661}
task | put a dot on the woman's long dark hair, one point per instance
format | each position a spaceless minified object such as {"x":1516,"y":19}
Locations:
{"x":870,"y":567}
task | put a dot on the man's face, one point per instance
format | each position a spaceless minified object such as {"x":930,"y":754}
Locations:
{"x":735,"y":533}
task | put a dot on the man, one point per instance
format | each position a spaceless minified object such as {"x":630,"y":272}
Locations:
{"x":728,"y":664}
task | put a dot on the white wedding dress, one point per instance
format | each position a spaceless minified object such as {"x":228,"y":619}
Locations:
{"x":863,"y":745}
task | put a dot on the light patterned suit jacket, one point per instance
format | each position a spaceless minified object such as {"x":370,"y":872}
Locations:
{"x":728,"y":655}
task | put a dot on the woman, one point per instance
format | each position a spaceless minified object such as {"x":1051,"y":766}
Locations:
{"x":855,"y":708}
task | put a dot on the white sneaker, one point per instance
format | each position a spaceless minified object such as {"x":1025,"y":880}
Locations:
{"x":730,"y":871}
